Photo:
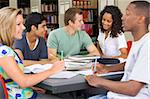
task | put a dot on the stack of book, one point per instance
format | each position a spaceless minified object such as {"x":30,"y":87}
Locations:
{"x":79,"y":62}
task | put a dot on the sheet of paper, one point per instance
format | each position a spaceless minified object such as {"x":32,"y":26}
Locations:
{"x":75,"y":63}
{"x":122,"y":60}
{"x":64,"y":74}
{"x":85,"y":72}
{"x":83,"y":57}
{"x":82,"y":61}
{"x":111,"y":73}
{"x":90,"y":72}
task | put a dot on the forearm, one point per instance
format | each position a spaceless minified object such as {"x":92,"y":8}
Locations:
{"x":33,"y":79}
{"x":95,"y":53}
{"x":118,"y":67}
{"x":120,"y":56}
{"x":17,"y":75}
{"x":93,"y":50}
{"x":127,"y":88}
{"x":99,"y":49}
{"x":53,"y":57}
{"x":124,"y":53}
{"x":52,"y":54}
{"x":36,"y":78}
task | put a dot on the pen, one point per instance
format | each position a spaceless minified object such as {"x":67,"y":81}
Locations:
{"x":95,"y":65}
{"x":62,"y":55}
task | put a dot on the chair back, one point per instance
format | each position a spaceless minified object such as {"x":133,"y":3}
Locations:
{"x":3,"y":89}
{"x":129,"y":44}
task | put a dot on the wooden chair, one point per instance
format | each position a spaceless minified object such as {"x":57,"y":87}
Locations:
{"x":3,"y":89}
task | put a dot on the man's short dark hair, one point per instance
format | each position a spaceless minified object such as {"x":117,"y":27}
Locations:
{"x":143,"y":8}
{"x":34,"y":18}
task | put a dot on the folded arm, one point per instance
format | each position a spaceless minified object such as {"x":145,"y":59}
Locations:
{"x":93,"y":50}
{"x":124,"y":53}
{"x":100,"y":68}
{"x":52,"y":54}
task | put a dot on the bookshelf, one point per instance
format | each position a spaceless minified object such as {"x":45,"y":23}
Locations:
{"x":49,"y":8}
{"x":90,"y":15}
{"x":25,"y":6}
{"x":4,"y":3}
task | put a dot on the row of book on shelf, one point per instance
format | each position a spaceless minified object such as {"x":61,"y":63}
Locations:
{"x":88,"y":28}
{"x":84,"y":4}
{"x":51,"y":19}
{"x":88,"y":15}
{"x":48,"y":7}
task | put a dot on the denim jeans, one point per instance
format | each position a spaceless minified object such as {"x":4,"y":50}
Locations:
{"x":98,"y":97}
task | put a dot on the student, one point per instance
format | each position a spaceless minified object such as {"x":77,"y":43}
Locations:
{"x":111,"y":39}
{"x":11,"y":67}
{"x":70,"y":39}
{"x":32,"y":47}
{"x":135,"y":83}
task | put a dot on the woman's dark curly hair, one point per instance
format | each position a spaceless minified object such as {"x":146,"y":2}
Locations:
{"x":116,"y":17}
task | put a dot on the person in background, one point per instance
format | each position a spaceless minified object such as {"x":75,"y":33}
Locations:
{"x":135,"y":83}
{"x":111,"y":39}
{"x":19,"y":85}
{"x":70,"y":39}
{"x":32,"y":48}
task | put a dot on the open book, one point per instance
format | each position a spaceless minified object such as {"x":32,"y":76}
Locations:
{"x":37,"y":68}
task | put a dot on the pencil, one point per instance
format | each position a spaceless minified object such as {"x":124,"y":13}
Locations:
{"x":95,"y":65}
{"x":62,"y":55}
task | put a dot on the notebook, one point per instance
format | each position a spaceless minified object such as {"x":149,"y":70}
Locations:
{"x":90,"y":72}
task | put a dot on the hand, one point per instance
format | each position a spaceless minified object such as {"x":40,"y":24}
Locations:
{"x":58,"y":66}
{"x":93,"y":80}
{"x":39,"y":90}
{"x":100,"y":68}
{"x":115,"y":57}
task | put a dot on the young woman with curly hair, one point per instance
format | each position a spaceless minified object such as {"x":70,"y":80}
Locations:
{"x":111,"y":39}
